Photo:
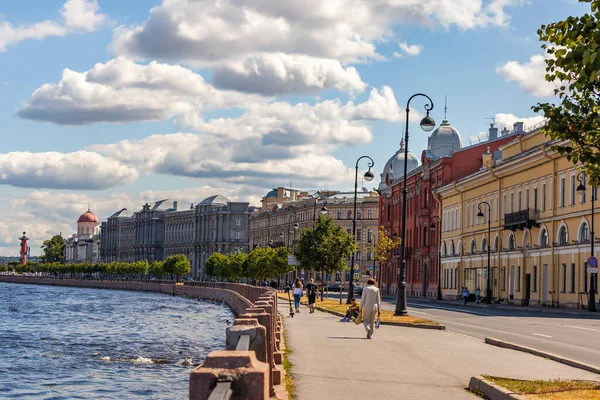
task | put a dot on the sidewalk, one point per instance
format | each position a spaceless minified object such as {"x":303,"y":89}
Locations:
{"x":334,"y":360}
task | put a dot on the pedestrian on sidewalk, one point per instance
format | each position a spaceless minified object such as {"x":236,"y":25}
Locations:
{"x":466,"y":295}
{"x":478,"y":295}
{"x":370,"y":306}
{"x":298,"y":291}
{"x":311,"y":293}
{"x":351,"y":312}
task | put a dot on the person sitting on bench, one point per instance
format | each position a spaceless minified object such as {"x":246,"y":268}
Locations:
{"x":352,"y":311}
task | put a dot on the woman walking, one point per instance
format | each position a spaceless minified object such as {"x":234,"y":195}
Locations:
{"x":297,"y":294}
{"x":311,"y":293}
{"x":370,"y":305}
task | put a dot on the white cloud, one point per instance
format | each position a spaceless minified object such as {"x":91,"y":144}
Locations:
{"x":410,"y":50}
{"x":208,"y":32}
{"x":530,"y":75}
{"x":78,"y":170}
{"x":279,"y":73}
{"x":82,"y":14}
{"x":77,"y":15}
{"x":507,"y":121}
{"x":122,"y":91}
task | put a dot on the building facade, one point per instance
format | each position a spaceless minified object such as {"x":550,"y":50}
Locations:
{"x":84,"y":246}
{"x":443,"y":162}
{"x":158,"y":231}
{"x":540,"y":226}
{"x":275,"y":226}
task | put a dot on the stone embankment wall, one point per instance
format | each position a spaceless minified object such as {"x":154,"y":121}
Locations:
{"x":255,"y":373}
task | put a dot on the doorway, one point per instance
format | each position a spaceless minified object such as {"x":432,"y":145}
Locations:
{"x":544,"y":284}
{"x":511,"y":282}
{"x":425,"y":282}
{"x":527,"y":289}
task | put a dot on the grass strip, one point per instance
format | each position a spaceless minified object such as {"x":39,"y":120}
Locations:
{"x":290,"y":385}
{"x":551,"y":389}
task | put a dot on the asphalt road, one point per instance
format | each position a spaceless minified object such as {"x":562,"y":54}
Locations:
{"x":571,"y":336}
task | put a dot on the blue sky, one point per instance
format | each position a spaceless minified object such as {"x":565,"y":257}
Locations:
{"x":263,"y":93}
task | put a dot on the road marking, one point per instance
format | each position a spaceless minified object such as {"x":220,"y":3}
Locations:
{"x":417,"y":312}
{"x":468,"y":336}
{"x":581,"y":327}
{"x":539,"y":334}
{"x":451,"y":309}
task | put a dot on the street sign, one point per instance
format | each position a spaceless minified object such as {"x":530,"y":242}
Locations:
{"x":371,"y":268}
{"x":292,"y":260}
{"x":356,"y":266}
{"x":591,"y":270}
{"x":302,"y":275}
{"x":356,"y":276}
{"x":592,"y":264}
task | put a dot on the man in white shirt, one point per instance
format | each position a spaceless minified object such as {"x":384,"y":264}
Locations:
{"x":370,"y":305}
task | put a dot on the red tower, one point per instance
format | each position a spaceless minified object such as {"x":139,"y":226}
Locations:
{"x":23,"y":253}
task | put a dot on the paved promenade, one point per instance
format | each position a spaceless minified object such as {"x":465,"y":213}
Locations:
{"x":334,"y":360}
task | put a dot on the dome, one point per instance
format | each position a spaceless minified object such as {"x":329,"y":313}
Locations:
{"x":88,"y":216}
{"x":444,"y":141}
{"x":214,"y":200}
{"x":394,"y":168}
{"x":272,"y":193}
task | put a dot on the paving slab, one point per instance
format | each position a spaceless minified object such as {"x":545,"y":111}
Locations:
{"x":334,"y":360}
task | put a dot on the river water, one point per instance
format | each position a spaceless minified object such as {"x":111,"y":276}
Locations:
{"x":72,"y":343}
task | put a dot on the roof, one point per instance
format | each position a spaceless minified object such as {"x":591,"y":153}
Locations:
{"x":88,"y":216}
{"x":214,"y":200}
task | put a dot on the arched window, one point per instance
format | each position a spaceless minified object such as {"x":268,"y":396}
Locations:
{"x":473,"y":246}
{"x":451,"y":252}
{"x":544,"y":242}
{"x":584,"y":233}
{"x":562,"y":235}
{"x":511,"y":242}
{"x":496,"y":244}
{"x":484,"y":244}
{"x":443,"y":250}
{"x":459,"y":248}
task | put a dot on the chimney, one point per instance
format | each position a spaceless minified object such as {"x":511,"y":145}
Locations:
{"x":493,"y":132}
{"x":518,"y":127}
{"x":175,"y":205}
{"x":486,"y":159}
{"x":504,"y":132}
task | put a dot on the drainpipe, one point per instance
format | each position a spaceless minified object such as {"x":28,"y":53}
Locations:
{"x":554,"y":269}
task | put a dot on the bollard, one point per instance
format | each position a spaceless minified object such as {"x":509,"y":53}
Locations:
{"x":257,"y":333}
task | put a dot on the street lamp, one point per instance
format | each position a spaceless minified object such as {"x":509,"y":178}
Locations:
{"x":296,"y":226}
{"x":323,"y":210}
{"x":488,"y":291}
{"x":591,"y":307}
{"x":427,"y":124}
{"x":368,"y":177}
{"x":439,"y":244}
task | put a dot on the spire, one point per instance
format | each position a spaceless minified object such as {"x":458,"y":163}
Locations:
{"x":402,"y":144}
{"x":445,"y":106}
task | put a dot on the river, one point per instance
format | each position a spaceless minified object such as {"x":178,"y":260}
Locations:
{"x":72,"y":343}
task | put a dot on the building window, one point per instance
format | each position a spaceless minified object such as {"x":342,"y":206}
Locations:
{"x":370,"y":235}
{"x":511,"y":242}
{"x":426,"y":194}
{"x":543,"y":197}
{"x":544,"y":242}
{"x":572,"y":289}
{"x":349,"y":214}
{"x":503,"y":205}
{"x":370,"y":214}
{"x":473,"y":247}
{"x":337,"y":276}
{"x":359,"y":214}
{"x":564,"y":278}
{"x":473,"y":215}
{"x":527,"y":198}
{"x":339,"y":215}
{"x":349,"y":231}
{"x":238,"y":222}
{"x":534,"y":279}
{"x":237,"y":235}
{"x":369,"y":255}
{"x":519,"y":200}
{"x":451,"y":251}
{"x":484,"y":244}
{"x":584,"y":233}
{"x":562,"y":236}
{"x":496,"y":244}
{"x":512,"y":202}
{"x":573,"y":190}
{"x":584,"y":274}
{"x":503,"y":277}
{"x":583,"y":193}
{"x":535,"y":199}
{"x":425,"y":237}
{"x":562,"y":192}
{"x":358,"y":255}
{"x":468,"y":214}
{"x":359,"y":234}
{"x":518,"y":278}
{"x":443,"y":250}
{"x":348,"y":275}
{"x":389,"y":212}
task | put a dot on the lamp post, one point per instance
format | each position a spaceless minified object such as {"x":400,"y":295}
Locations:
{"x":439,"y":245}
{"x":591,"y":307}
{"x":488,"y":291}
{"x":323,"y":210}
{"x":427,"y":124}
{"x":296,"y":226}
{"x":368,"y":177}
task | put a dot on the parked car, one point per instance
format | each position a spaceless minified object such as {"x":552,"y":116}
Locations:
{"x":334,"y":287}
{"x":358,"y":290}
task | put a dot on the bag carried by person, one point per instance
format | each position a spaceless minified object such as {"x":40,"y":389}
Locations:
{"x":377,"y":323}
{"x":358,"y":319}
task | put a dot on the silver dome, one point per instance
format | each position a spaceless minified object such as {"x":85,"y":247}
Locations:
{"x":445,"y":140}
{"x":394,"y":168}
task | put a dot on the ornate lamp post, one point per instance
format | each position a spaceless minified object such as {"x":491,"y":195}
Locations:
{"x":488,"y":291}
{"x":427,"y":124}
{"x":368,"y":177}
{"x":591,"y":307}
{"x":323,"y":210}
{"x":290,"y":243}
{"x":439,"y":245}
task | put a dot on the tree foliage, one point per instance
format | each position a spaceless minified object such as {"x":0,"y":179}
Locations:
{"x":382,"y":249}
{"x":215,"y":265}
{"x":260,"y":263}
{"x":177,"y":264}
{"x":53,"y":249}
{"x":326,"y":247}
{"x":573,"y":65}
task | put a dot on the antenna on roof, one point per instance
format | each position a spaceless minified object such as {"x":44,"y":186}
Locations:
{"x":445,"y":105}
{"x":493,"y":120}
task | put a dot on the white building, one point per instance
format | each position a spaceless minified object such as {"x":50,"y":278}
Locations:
{"x":84,"y":246}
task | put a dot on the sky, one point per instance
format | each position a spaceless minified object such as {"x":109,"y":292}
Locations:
{"x":110,"y":104}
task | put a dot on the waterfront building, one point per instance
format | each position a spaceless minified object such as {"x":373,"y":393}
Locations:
{"x":443,"y":162}
{"x":160,"y":230}
{"x":274,"y":226}
{"x":84,"y":246}
{"x":540,"y":226}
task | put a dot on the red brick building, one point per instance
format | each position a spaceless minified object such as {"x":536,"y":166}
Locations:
{"x":443,"y":162}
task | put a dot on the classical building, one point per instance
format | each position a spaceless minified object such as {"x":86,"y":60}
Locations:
{"x":84,"y":246}
{"x":157,"y":231}
{"x":443,"y":162}
{"x":275,"y":226}
{"x":540,"y":237}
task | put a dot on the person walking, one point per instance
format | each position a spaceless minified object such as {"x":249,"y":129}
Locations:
{"x":466,"y":295}
{"x":478,"y":295}
{"x":297,"y":294}
{"x":311,"y":293}
{"x":370,"y":306}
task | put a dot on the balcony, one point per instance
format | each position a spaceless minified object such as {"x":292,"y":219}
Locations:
{"x":521,"y":219}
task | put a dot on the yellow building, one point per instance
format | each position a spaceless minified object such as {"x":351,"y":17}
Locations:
{"x":540,"y":235}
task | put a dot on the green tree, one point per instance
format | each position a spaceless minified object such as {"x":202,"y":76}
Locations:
{"x":177,"y":265}
{"x":235,"y":267}
{"x":280,"y":261}
{"x":215,"y":265}
{"x":573,"y":65}
{"x":259,"y":264}
{"x":326,"y":246}
{"x":382,"y":251}
{"x":53,"y":249}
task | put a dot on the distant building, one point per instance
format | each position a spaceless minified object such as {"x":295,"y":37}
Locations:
{"x":84,"y":246}
{"x":157,"y":231}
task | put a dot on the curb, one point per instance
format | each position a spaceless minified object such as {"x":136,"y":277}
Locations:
{"x":491,"y":390}
{"x":554,"y":357}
